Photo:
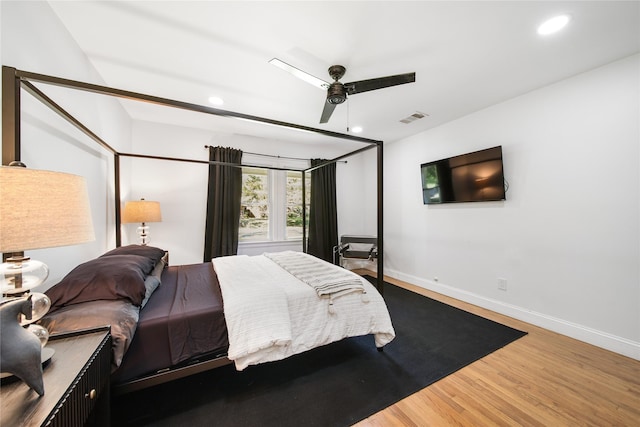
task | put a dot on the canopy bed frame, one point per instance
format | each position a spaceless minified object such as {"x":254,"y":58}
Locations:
{"x":13,"y":80}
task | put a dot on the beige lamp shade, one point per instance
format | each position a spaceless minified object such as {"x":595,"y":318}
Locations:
{"x":141,"y":211}
{"x":42,"y":209}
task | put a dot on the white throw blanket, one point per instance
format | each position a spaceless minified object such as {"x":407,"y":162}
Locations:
{"x":256,"y":312}
{"x":272,"y":315}
{"x":324,"y":279}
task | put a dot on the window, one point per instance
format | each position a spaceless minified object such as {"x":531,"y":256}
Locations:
{"x":254,"y":208}
{"x":271,"y":207}
{"x":294,"y":203}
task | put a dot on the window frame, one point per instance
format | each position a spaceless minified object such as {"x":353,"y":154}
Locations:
{"x":277,"y":206}
{"x":261,"y":171}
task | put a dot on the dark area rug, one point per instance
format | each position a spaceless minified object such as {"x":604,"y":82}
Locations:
{"x":335,"y":385}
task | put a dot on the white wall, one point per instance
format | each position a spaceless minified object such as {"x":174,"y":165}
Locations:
{"x":181,"y":188}
{"x":566,"y":239}
{"x":33,"y":39}
{"x":356,"y":188}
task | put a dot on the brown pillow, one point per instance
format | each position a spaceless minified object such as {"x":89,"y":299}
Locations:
{"x":146,"y":251}
{"x":111,"y":277}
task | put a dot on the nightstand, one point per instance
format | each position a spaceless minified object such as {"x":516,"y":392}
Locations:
{"x":76,"y":385}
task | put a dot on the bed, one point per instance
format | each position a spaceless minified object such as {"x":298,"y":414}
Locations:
{"x":134,"y":298}
{"x":172,"y":321}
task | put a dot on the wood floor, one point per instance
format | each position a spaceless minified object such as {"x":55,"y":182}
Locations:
{"x":542,"y":379}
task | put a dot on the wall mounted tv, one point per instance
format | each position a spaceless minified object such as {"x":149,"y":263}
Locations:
{"x":472,"y":177}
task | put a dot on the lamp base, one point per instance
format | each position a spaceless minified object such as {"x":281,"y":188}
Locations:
{"x":143,"y":233}
{"x":20,"y":273}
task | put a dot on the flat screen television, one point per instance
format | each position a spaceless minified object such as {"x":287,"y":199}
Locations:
{"x":472,"y":177}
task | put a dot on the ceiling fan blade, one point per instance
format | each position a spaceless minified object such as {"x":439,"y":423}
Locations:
{"x":299,"y":73}
{"x":379,"y":83}
{"x":327,"y":111}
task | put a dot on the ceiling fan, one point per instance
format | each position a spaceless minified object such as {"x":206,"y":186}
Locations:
{"x":337,"y":92}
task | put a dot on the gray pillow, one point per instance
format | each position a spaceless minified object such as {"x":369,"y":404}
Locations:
{"x":152,"y":281}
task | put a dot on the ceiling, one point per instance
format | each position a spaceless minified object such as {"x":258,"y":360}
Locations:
{"x":466,"y":55}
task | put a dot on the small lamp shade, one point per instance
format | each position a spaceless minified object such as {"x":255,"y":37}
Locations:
{"x":42,"y":209}
{"x":141,"y":211}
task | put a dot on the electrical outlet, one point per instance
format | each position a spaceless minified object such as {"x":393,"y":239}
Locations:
{"x":502,"y":284}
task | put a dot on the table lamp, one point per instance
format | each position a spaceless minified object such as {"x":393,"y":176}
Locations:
{"x":38,"y":209}
{"x":142,"y":211}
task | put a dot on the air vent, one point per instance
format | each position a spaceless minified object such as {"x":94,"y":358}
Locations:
{"x":415,"y":116}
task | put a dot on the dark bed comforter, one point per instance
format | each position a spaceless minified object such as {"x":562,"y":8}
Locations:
{"x":183,"y":319}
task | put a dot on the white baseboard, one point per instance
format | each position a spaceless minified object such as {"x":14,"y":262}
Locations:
{"x":601,"y":339}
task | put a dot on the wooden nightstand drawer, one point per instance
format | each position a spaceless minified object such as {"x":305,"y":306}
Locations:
{"x":76,"y":385}
{"x":90,"y":387}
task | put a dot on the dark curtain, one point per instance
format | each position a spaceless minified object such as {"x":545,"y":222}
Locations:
{"x":223,"y":203}
{"x":323,"y":214}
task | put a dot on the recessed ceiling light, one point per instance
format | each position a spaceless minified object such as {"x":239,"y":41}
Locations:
{"x":356,"y":129}
{"x":215,"y":100}
{"x":553,"y":25}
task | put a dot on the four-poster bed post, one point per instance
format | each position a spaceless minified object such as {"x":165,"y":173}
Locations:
{"x":13,"y":80}
{"x":380,"y":275}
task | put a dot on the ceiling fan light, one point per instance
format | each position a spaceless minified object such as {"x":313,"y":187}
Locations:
{"x":336,"y":94}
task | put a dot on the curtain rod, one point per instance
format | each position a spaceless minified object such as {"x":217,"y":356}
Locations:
{"x":274,"y":157}
{"x":207,"y":162}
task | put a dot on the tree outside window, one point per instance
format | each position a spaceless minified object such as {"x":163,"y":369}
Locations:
{"x":271,"y":207}
{"x":254,"y":208}
{"x":294,"y":203}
